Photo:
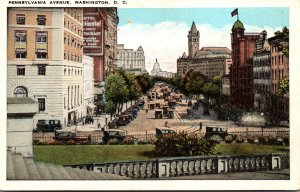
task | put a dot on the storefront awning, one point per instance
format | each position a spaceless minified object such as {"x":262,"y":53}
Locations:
{"x":91,"y":106}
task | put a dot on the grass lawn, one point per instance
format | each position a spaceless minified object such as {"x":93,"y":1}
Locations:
{"x":76,"y":154}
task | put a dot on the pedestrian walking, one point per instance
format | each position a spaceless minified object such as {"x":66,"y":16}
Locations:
{"x":146,"y":111}
{"x":92,"y":119}
{"x":200,"y":126}
{"x":166,"y":124}
{"x":76,"y":125}
{"x":99,"y":125}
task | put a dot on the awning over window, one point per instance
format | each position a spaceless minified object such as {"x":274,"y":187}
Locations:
{"x":19,"y":50}
{"x":91,"y":106}
{"x":41,"y":51}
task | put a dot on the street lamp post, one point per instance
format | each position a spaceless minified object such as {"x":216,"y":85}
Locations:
{"x":262,"y":127}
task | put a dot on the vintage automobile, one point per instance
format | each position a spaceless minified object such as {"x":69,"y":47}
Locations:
{"x":157,"y":105}
{"x":151,"y":106}
{"x":164,"y":130}
{"x":123,"y":120}
{"x":113,"y":134}
{"x":222,"y":132}
{"x":158,"y":113}
{"x":47,"y":125}
{"x":62,"y":135}
{"x":170,"y":114}
{"x":165,"y":110}
{"x":172,"y":104}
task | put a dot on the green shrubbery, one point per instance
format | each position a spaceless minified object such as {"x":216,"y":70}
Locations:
{"x":182,"y":144}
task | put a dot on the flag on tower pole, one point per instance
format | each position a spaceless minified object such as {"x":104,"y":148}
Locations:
{"x":234,"y":12}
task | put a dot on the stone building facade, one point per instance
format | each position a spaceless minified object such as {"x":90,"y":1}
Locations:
{"x":129,"y":58}
{"x":45,"y":61}
{"x":241,"y":72}
{"x":261,"y":72}
{"x":210,"y":61}
{"x":88,"y":85}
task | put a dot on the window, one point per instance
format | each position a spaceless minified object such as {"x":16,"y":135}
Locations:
{"x":20,"y":36}
{"x":41,"y":37}
{"x":20,"y":44}
{"x":41,"y":20}
{"x":41,"y":70}
{"x":41,"y":55}
{"x":21,"y":19}
{"x":21,"y":70}
{"x":20,"y":53}
{"x":41,"y":102}
{"x":20,"y":92}
{"x":41,"y":45}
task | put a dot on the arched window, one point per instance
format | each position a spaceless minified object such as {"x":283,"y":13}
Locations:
{"x":20,"y":92}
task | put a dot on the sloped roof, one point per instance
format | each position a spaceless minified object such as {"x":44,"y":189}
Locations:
{"x":19,"y":100}
{"x":24,"y":168}
{"x":193,"y":28}
{"x":213,"y":51}
{"x":184,"y":55}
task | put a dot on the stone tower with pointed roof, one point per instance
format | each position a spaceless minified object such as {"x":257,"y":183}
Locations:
{"x":193,"y":40}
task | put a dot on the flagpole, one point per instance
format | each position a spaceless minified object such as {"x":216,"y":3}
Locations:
{"x":237,"y":16}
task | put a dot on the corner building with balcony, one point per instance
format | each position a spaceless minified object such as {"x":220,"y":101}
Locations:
{"x":45,"y":61}
{"x":241,"y":71}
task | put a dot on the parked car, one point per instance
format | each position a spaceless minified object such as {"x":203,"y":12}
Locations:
{"x":222,"y":132}
{"x":164,"y":130}
{"x":170,"y":114}
{"x":47,"y":125}
{"x":113,"y":134}
{"x":158,"y":113}
{"x":62,"y":135}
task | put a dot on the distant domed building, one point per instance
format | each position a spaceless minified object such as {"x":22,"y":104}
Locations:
{"x":156,"y":69}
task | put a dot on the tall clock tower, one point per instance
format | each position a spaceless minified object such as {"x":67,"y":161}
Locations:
{"x":193,"y":40}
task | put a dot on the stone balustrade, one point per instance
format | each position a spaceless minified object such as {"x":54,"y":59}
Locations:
{"x":186,"y":166}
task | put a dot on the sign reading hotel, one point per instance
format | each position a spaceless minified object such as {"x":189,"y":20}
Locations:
{"x":92,"y":34}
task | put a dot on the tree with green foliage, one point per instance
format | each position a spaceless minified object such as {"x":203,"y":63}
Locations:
{"x":194,"y":81}
{"x":110,"y":108}
{"x":182,"y":144}
{"x":283,"y":86}
{"x":145,"y":82}
{"x":116,"y":90}
{"x":210,"y":91}
{"x":284,"y":34}
{"x":134,"y":92}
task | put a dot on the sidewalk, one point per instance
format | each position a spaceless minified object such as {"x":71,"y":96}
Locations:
{"x":97,"y":119}
{"x":283,"y":174}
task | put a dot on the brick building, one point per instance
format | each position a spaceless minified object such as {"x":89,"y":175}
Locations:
{"x":103,"y":46}
{"x":44,"y":61}
{"x":241,"y":72}
{"x":279,"y":103}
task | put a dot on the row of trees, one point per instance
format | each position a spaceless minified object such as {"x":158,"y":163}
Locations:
{"x":195,"y":83}
{"x":123,"y":87}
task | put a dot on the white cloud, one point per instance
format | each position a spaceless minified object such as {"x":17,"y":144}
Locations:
{"x":166,"y":41}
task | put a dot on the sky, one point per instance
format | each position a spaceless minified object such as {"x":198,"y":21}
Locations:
{"x":162,"y":32}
